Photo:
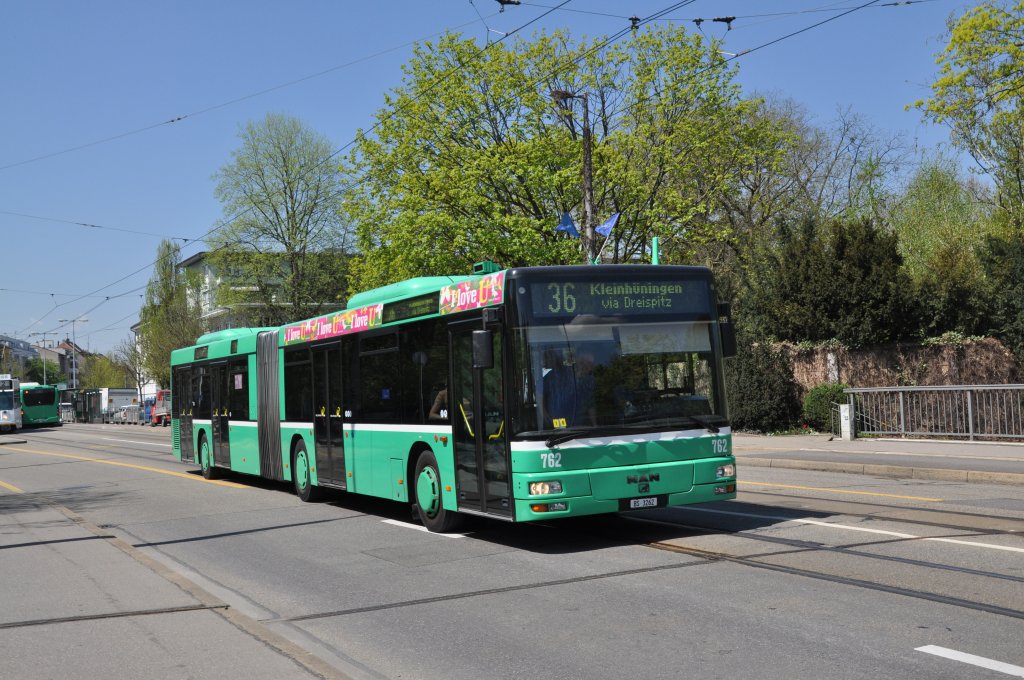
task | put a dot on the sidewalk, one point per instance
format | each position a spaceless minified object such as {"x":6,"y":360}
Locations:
{"x":946,"y":460}
{"x":79,"y":602}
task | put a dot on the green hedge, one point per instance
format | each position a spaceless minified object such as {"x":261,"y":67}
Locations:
{"x":818,"y":404}
{"x":762,"y":393}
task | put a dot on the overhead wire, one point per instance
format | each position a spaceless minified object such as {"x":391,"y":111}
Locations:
{"x":825,"y":8}
{"x":93,"y":226}
{"x":215,"y":107}
{"x":134,"y":273}
{"x":39,"y":292}
{"x":635,"y":23}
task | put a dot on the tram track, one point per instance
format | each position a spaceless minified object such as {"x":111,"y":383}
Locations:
{"x":845,"y":580}
{"x":853,"y":550}
{"x":898,"y":509}
{"x":110,"y":615}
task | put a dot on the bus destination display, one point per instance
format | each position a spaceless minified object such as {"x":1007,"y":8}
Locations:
{"x":571,"y":298}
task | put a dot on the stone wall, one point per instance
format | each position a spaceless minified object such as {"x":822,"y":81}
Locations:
{"x":972,"y":362}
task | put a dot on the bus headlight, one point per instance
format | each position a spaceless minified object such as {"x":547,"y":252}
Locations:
{"x":545,"y":488}
{"x":726,"y":471}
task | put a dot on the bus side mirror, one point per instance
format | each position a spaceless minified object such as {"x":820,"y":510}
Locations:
{"x":728,"y":330}
{"x":483,"y":349}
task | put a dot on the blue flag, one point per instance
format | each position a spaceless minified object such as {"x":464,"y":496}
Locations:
{"x":608,"y":225}
{"x":567,"y":226}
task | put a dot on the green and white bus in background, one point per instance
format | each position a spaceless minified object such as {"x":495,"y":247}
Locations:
{"x":40,"y":404}
{"x":521,"y":394}
{"x":10,"y":403}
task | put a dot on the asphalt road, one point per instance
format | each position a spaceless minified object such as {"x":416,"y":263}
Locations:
{"x":119,"y":562}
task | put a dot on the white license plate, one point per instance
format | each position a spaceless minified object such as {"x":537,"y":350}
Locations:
{"x":643,"y":503}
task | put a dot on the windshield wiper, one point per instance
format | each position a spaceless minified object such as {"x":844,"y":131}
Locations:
{"x":706,"y":422}
{"x":605,"y":431}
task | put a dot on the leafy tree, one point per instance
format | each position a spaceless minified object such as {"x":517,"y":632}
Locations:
{"x":104,"y":371}
{"x":471,"y":157}
{"x":979,"y":92}
{"x":170,"y":316}
{"x":283,"y":253}
{"x":844,"y":169}
{"x":34,"y":372}
{"x":839,"y":281}
{"x":940,"y":225}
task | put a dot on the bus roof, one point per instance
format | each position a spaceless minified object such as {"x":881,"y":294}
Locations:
{"x":230,"y":334}
{"x":405,"y":289}
{"x":219,"y":344}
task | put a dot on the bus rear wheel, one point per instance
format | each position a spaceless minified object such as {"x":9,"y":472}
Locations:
{"x":301,"y":477}
{"x":206,"y":458}
{"x":428,"y":506}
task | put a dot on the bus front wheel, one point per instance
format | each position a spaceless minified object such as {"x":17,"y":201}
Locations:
{"x":427,"y":483}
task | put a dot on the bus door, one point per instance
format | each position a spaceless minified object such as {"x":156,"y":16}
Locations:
{"x":220,"y":414}
{"x":183,"y":409}
{"x":477,"y":410}
{"x":327,"y":415}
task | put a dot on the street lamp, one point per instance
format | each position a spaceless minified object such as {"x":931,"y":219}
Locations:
{"x":589,"y":242}
{"x":74,"y":350}
{"x":42,"y":355}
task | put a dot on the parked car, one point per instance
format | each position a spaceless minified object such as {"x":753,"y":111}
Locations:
{"x":127,"y":415}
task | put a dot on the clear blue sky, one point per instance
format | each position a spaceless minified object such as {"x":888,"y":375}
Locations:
{"x":75,"y":73}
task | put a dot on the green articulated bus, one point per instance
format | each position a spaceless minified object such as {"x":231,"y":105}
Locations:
{"x":521,"y":394}
{"x":39,"y":404}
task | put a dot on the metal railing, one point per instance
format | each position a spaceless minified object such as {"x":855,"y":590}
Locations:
{"x":959,"y":411}
{"x":835,"y":420}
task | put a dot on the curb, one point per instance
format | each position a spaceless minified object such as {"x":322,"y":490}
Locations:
{"x":934,"y":474}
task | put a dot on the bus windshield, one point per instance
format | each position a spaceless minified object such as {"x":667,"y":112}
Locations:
{"x":651,"y":375}
{"x":6,"y":401}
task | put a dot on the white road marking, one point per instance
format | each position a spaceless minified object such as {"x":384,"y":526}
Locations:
{"x":976,"y":544}
{"x":849,"y":528}
{"x":831,"y":525}
{"x":991,"y":664}
{"x":418,"y":527}
{"x":132,"y":441}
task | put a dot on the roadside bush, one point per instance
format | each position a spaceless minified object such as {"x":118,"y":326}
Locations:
{"x":761,"y":390}
{"x":818,"y":404}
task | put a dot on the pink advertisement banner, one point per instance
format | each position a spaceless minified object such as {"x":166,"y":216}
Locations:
{"x":342,"y":323}
{"x":483,"y":292}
